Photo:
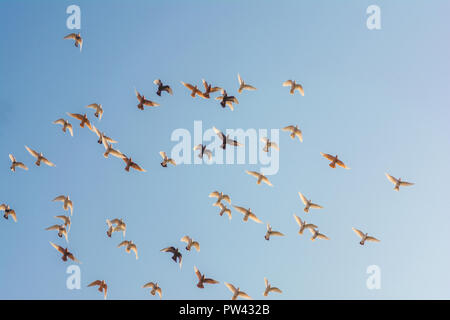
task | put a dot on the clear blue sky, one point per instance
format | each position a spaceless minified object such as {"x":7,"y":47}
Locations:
{"x":379,"y":99}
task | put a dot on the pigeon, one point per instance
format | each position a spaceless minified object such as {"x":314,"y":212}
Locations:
{"x":203,"y":151}
{"x":101,"y":136}
{"x":8,"y":212}
{"x":202,"y":279}
{"x":226,"y":139}
{"x":226,"y":100}
{"x":294,"y":86}
{"x":247,"y":214}
{"x":40,"y":157}
{"x":220,"y":196}
{"x":77,"y":38}
{"x":295,"y":132}
{"x":66,"y":125}
{"x":102,"y":286}
{"x":166,"y":160}
{"x":65,"y":253}
{"x":119,"y":226}
{"x":175,"y":254}
{"x":131,"y":164}
{"x":66,"y":220}
{"x":308,"y":204}
{"x":224,"y":209}
{"x":236,"y":292}
{"x":162,"y":87}
{"x":270,"y":233}
{"x":364,"y":237}
{"x":144,"y":102}
{"x":83,"y":119}
{"x":317,"y":234}
{"x":15,"y":164}
{"x":61,"y":230}
{"x":98,"y":110}
{"x":190,"y":243}
{"x":303,"y":225}
{"x":110,"y":150}
{"x":67,"y":203}
{"x":269,"y":144}
{"x":155,"y":288}
{"x":129,"y":246}
{"x":398,"y":182}
{"x":208,"y":89}
{"x":269,"y":288}
{"x":243,"y":85}
{"x":260,"y":177}
{"x":194,"y":90}
{"x":334,"y":161}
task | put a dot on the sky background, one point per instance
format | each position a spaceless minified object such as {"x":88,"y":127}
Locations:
{"x":379,"y":99}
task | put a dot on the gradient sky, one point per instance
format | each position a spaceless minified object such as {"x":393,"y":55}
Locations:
{"x":379,"y":99}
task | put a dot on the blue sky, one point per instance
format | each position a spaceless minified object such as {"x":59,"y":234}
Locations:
{"x":379,"y":99}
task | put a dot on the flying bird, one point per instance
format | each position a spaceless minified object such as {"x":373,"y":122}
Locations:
{"x":209,"y":89}
{"x":119,"y":226}
{"x":65,"y":253}
{"x":316,"y":234}
{"x":40,"y":157}
{"x":220,"y":196}
{"x":243,"y":85}
{"x":364,"y":237}
{"x":236,"y":292}
{"x":15,"y":164}
{"x":129,"y":246}
{"x":203,"y":151}
{"x":110,"y":150}
{"x":269,"y":288}
{"x":334,"y":161}
{"x":8,"y":212}
{"x":144,"y":102}
{"x":226,"y":139}
{"x":166,"y":159}
{"x":102,"y":286}
{"x":270,"y":233}
{"x":155,"y":288}
{"x":101,"y":136}
{"x":260,"y":177}
{"x":398,"y":182}
{"x":61,"y":230}
{"x":190,"y":243}
{"x":66,"y":220}
{"x":247,"y":214}
{"x":65,"y":125}
{"x":226,"y":100}
{"x":98,"y":110}
{"x":294,"y":86}
{"x":77,"y":38}
{"x":295,"y":132}
{"x":131,"y":164}
{"x":224,"y":209}
{"x":202,"y":279}
{"x":308,"y":204}
{"x":303,"y":225}
{"x":269,"y":144}
{"x":67,"y":203}
{"x":194,"y":90}
{"x":175,"y":254}
{"x":162,"y":87}
{"x":82,"y":118}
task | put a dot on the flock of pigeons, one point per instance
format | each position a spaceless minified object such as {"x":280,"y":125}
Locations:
{"x":118,"y":225}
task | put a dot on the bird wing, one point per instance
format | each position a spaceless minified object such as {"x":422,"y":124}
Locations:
{"x":137,"y":167}
{"x":276,"y":233}
{"x":369,"y":238}
{"x":249,"y":87}
{"x":48,"y":162}
{"x":95,"y":283}
{"x":76,"y":116}
{"x":253,"y":173}
{"x":230,"y":287}
{"x":210,"y":281}
{"x":32,"y":152}
{"x":240,"y":79}
{"x":71,"y":36}
{"x":138,"y":95}
{"x":299,"y":134}
{"x":12,"y":213}
{"x":60,"y":249}
{"x":219,"y":133}
{"x":185,"y":239}
{"x":342,"y":164}
{"x":188,"y":85}
{"x":123,"y":243}
{"x":197,"y":272}
{"x":149,"y":285}
{"x":241,"y":210}
{"x":299,"y":87}
{"x":266,"y":180}
{"x":198,"y":147}
{"x":287,"y":83}
{"x":322,"y":236}
{"x":358,"y":232}
{"x":254,"y":218}
{"x":157,"y":82}
{"x":94,"y":106}
{"x":244,"y":295}
{"x":391,"y":178}
{"x":59,"y":121}
{"x":289,"y":128}
{"x":163,"y":155}
{"x":168,"y":249}
{"x":150,"y":103}
{"x":299,"y":221}
{"x":171,"y":161}
{"x":55,"y":227}
{"x":315,"y":206}
{"x":60,"y":198}
{"x":214,"y":194}
{"x":196,"y":245}
{"x":304,"y":200}
{"x":226,"y":198}
{"x":405,"y":183}
{"x":328,"y":156}
{"x":69,"y":126}
{"x":208,"y":153}
{"x":134,"y":249}
{"x":275,"y":289}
